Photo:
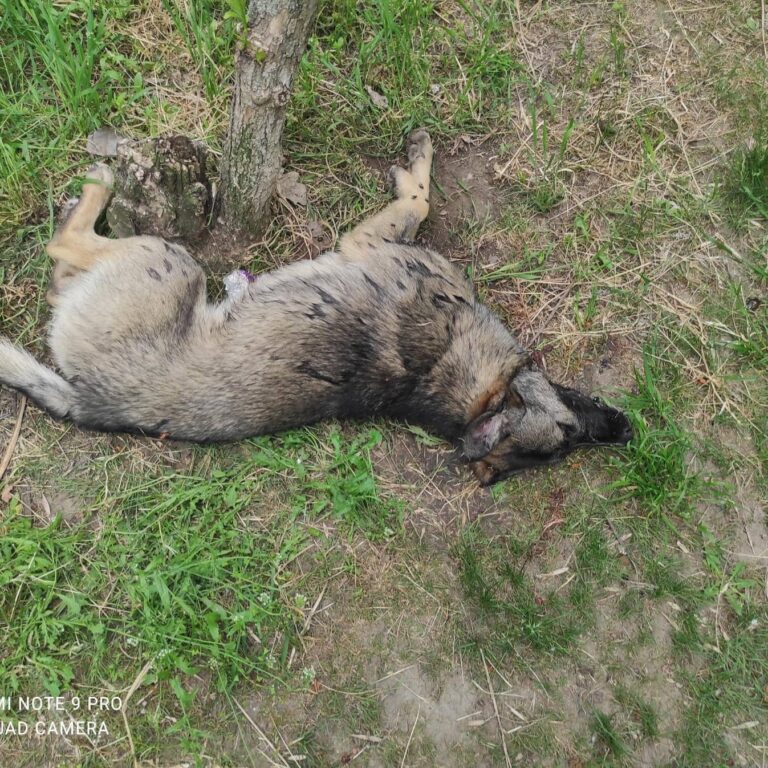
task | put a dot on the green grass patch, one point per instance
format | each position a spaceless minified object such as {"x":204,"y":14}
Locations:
{"x":190,"y":573}
{"x":208,"y":29}
{"x":654,"y":468}
{"x":61,"y":76}
{"x":641,"y":712}
{"x":67,"y":69}
{"x":508,"y":609}
{"x":608,"y":735}
{"x":335,"y":479}
{"x":746,"y":181}
{"x":730,"y":690}
{"x":173,"y":578}
{"x":407,"y":52}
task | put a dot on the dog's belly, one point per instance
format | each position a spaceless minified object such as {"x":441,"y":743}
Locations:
{"x":146,"y":299}
{"x":315,"y":340}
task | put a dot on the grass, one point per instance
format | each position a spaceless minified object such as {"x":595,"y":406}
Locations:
{"x":607,"y":735}
{"x":185,"y":585}
{"x":181,"y":575}
{"x":510,"y":611}
{"x":68,"y":70}
{"x":328,"y":579}
{"x":730,"y":691}
{"x":747,"y":182}
{"x":655,"y":469}
{"x":641,"y":711}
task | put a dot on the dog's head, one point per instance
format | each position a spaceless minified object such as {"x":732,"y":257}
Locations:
{"x":531,"y":422}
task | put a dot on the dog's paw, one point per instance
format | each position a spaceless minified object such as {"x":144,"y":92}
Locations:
{"x":419,"y":145}
{"x":101,"y":173}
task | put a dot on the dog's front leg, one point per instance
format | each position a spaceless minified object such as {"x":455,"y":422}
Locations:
{"x":399,"y":221}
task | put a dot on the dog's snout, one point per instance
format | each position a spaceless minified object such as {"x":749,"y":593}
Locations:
{"x":626,"y":434}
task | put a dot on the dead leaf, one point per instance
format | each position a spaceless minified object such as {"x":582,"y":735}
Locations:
{"x":7,"y":494}
{"x":103,"y":142}
{"x":321,"y":237}
{"x":291,"y":189}
{"x":379,"y":101}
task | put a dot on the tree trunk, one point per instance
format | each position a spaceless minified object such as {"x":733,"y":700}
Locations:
{"x":264,"y":70}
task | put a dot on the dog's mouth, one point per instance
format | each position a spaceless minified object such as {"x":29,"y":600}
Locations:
{"x":595,"y":422}
{"x":605,"y":426}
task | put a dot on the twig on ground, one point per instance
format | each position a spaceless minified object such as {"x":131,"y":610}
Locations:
{"x":410,"y":737}
{"x":263,"y":737}
{"x":134,"y":687}
{"x":496,"y":710}
{"x":312,"y":612}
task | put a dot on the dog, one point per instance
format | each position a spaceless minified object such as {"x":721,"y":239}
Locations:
{"x":378,"y":327}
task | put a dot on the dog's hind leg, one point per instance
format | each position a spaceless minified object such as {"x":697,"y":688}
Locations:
{"x":75,"y":243}
{"x":75,"y":246}
{"x":399,"y":221}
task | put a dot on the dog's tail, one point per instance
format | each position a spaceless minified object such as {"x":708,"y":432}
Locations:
{"x":19,"y":370}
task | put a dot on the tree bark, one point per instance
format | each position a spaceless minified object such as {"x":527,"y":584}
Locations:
{"x":264,"y":70}
{"x":161,"y":188}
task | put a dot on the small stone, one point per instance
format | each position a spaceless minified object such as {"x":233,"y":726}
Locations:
{"x":103,"y":142}
{"x":291,"y":189}
{"x":379,"y":101}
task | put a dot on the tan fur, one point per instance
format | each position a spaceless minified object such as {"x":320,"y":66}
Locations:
{"x":378,"y":327}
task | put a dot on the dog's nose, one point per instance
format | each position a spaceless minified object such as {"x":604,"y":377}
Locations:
{"x":627,"y":434}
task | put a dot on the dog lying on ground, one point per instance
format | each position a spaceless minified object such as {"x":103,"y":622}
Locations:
{"x":378,"y":327}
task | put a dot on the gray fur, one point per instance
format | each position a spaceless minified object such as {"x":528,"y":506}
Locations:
{"x":318,"y":339}
{"x":377,"y":328}
{"x":18,"y":369}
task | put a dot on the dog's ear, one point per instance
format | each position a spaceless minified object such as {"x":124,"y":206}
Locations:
{"x":492,"y":424}
{"x":483,"y":434}
{"x":485,"y":431}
